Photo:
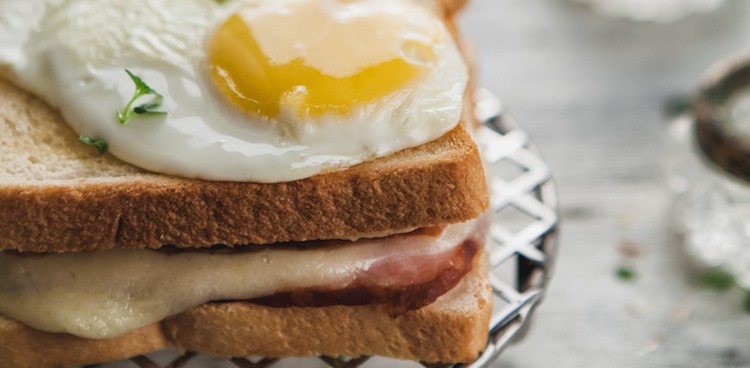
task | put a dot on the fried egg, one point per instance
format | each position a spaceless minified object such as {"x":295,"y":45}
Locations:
{"x":257,"y":90}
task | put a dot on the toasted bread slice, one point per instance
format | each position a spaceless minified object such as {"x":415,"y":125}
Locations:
{"x":453,"y":329}
{"x":59,"y":195}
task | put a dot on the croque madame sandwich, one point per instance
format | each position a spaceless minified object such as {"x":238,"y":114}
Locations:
{"x":238,"y":178}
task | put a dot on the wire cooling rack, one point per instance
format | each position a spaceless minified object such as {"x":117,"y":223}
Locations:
{"x":522,"y":248}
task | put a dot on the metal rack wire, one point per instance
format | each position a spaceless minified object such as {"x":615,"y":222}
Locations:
{"x":522,"y":248}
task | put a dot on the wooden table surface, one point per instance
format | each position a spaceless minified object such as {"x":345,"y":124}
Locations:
{"x":590,"y":90}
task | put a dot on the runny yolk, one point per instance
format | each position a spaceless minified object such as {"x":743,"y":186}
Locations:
{"x":247,"y":77}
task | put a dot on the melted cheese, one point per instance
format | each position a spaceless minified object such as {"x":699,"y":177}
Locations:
{"x":104,"y":294}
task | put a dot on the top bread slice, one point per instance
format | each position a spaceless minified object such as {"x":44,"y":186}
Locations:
{"x":58,"y":195}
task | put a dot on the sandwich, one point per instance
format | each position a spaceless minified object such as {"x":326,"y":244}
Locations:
{"x":238,"y":178}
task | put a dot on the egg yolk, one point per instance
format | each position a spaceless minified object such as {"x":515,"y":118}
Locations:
{"x":251,"y":81}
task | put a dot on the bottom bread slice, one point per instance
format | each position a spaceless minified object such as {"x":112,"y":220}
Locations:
{"x":453,"y":329}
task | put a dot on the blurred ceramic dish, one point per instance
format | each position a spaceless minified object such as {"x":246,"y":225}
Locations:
{"x":710,"y":171}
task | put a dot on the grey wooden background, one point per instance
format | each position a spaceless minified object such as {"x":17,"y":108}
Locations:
{"x":590,"y":91}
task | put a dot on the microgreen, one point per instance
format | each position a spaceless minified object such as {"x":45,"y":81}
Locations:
{"x":718,"y":279}
{"x":100,"y":144}
{"x":626,"y":273}
{"x":153,"y":106}
{"x":676,"y":106}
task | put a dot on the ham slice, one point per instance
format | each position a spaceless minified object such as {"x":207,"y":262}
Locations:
{"x":403,"y":284}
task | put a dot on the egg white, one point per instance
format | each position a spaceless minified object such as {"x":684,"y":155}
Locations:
{"x":73,"y":54}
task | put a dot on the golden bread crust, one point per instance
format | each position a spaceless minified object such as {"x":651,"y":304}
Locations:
{"x":451,"y":8}
{"x":437,"y":183}
{"x":24,"y":347}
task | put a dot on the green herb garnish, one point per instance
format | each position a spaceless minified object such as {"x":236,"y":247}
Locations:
{"x":626,"y":273}
{"x":676,"y":106}
{"x":153,"y":106}
{"x":718,"y":279}
{"x":100,"y":144}
{"x":746,"y":304}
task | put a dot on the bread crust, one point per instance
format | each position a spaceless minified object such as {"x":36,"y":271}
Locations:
{"x":24,"y":347}
{"x":454,"y":328}
{"x":450,"y":8}
{"x":437,"y":183}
